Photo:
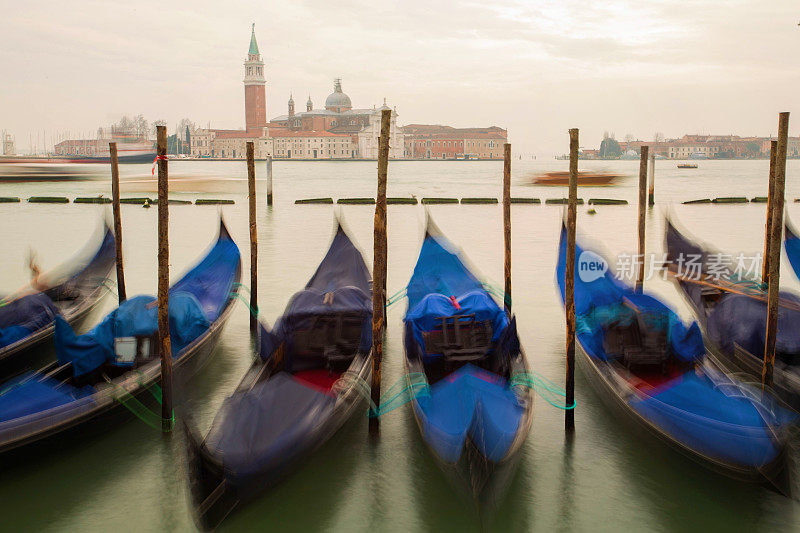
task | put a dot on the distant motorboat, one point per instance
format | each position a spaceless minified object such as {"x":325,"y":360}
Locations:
{"x":687,"y":165}
{"x":585,"y":178}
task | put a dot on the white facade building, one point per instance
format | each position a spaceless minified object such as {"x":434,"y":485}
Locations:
{"x":369,"y":135}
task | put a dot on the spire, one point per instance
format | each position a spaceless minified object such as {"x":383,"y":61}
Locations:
{"x":253,"y":44}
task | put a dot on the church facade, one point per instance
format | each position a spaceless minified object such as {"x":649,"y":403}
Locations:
{"x":335,"y":131}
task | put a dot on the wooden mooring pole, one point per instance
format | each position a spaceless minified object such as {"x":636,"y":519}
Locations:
{"x":642,"y":209}
{"x":569,"y":279}
{"x":776,"y":231}
{"x":507,"y":224}
{"x":379,"y":267}
{"x":112,"y":148}
{"x":773,"y":151}
{"x":269,"y":180}
{"x":251,"y":191}
{"x":165,"y":346}
{"x":651,"y":197}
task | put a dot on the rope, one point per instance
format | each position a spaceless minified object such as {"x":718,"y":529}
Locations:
{"x":242,"y":286}
{"x":546,"y":389}
{"x":142,"y":412}
{"x":242,"y":299}
{"x":396,"y":297}
{"x":405,"y":389}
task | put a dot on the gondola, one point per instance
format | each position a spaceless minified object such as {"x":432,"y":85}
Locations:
{"x":302,"y":387}
{"x":459,"y":342}
{"x":647,"y":364}
{"x":732,"y":312}
{"x":27,"y":321}
{"x":119,"y":358}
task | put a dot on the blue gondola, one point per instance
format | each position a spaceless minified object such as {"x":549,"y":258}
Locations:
{"x":732,"y":312}
{"x":302,"y":387}
{"x":646,"y":363}
{"x":119,"y":357}
{"x":465,"y":347}
{"x":27,"y":322}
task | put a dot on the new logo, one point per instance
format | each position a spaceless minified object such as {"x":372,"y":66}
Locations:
{"x":591,"y":266}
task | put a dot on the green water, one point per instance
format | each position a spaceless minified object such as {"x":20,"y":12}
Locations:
{"x":609,"y":478}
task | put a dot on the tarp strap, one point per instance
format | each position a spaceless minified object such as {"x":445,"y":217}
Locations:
{"x":405,"y":389}
{"x":546,"y":389}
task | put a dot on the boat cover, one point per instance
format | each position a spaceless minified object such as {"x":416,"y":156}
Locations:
{"x":258,"y":429}
{"x":607,"y":299}
{"x":28,"y":394}
{"x":21,"y":317}
{"x":470,"y":402}
{"x":696,"y":412}
{"x":791,"y":243}
{"x":137,"y":316}
{"x":195,"y":302}
{"x":738,"y":320}
{"x":442,"y":286}
{"x":341,"y":285}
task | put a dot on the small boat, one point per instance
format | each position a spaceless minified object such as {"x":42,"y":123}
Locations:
{"x":647,"y":364}
{"x":687,"y":165}
{"x":733,"y":314}
{"x":27,"y":320}
{"x":304,"y":384}
{"x":585,"y":179}
{"x":474,"y":417}
{"x":96,"y":373}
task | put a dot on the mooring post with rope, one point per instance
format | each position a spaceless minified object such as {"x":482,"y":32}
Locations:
{"x":642,"y":211}
{"x":507,"y":224}
{"x":112,"y":148}
{"x":775,"y":252}
{"x":773,"y":152}
{"x":251,"y":191}
{"x":164,"y":343}
{"x":569,"y":279}
{"x":379,"y":267}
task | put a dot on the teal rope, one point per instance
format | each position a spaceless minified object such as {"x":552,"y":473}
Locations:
{"x":546,"y":389}
{"x":242,"y":286}
{"x":411,"y":386}
{"x":242,"y":299}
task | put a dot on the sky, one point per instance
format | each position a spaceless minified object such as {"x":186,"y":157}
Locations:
{"x":536,"y":68}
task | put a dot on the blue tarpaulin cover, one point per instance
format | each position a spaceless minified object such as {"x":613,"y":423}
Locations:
{"x":196,"y":301}
{"x":264,"y":426}
{"x":341,"y":284}
{"x":439,"y":275}
{"x":695,"y":412}
{"x":137,"y":316}
{"x":470,"y":402}
{"x":28,"y":394}
{"x":606,"y":299}
{"x":21,"y":317}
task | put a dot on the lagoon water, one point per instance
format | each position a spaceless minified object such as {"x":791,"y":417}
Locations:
{"x":609,"y":478}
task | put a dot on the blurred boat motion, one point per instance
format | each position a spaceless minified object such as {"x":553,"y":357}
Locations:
{"x":586,"y":178}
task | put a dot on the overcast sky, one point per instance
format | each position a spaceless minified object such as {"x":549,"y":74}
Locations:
{"x":534,"y":67}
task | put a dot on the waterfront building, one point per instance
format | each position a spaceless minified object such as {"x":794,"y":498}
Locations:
{"x":8,"y":144}
{"x":290,"y":144}
{"x":429,"y":141}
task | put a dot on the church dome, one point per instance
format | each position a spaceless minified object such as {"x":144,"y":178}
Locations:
{"x":337,"y":100}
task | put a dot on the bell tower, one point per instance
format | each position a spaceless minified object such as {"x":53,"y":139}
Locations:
{"x":255,"y":99}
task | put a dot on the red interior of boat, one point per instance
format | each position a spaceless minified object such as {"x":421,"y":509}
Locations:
{"x":319,"y":378}
{"x":647,"y":381}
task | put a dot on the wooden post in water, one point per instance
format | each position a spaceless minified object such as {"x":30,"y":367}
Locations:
{"x":112,"y":148}
{"x":773,"y":151}
{"x":776,"y":231}
{"x":165,"y":346}
{"x":379,"y":267}
{"x":507,"y":224}
{"x":569,"y":279}
{"x":251,"y":191}
{"x":642,"y":208}
{"x":269,"y":180}
{"x":651,"y":197}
